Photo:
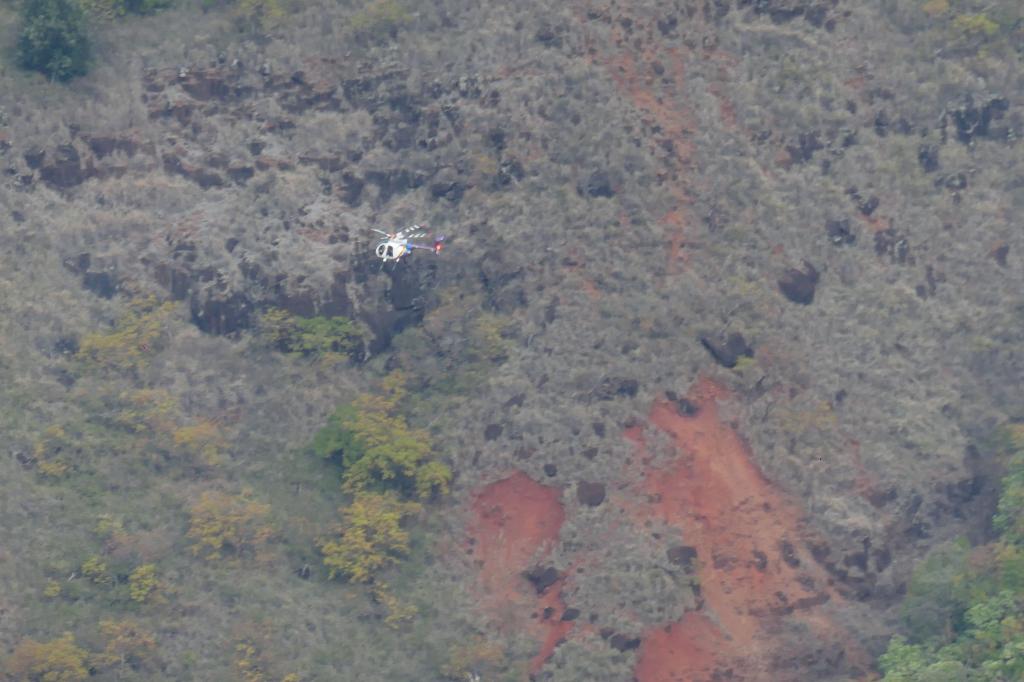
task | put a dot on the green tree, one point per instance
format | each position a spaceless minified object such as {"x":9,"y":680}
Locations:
{"x":53,"y":38}
{"x":938,"y":594}
{"x":378,"y":449}
{"x":1009,"y":519}
{"x":143,"y":582}
{"x":141,"y":6}
{"x":313,"y":336}
{"x":380,"y":18}
{"x":335,"y":439}
{"x":222,"y":522}
{"x":965,"y":611}
{"x":128,"y":645}
{"x":372,"y":537}
{"x":136,"y":337}
{"x":59,"y":660}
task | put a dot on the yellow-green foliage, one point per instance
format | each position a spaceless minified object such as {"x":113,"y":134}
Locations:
{"x":202,"y":440}
{"x":380,"y":17}
{"x":391,"y":451}
{"x":49,"y":452}
{"x":276,"y":327}
{"x":52,"y":589}
{"x":975,"y":25}
{"x":378,"y":448}
{"x":432,"y":478}
{"x":148,"y":410}
{"x":128,"y":645}
{"x":398,"y":612}
{"x":251,"y":660}
{"x":95,"y":569}
{"x":134,"y":339}
{"x":372,"y":537}
{"x":325,"y":337}
{"x":248,"y":662}
{"x":488,"y":336}
{"x":154,"y":415}
{"x":935,"y":7}
{"x":477,"y":656}
{"x":111,"y":530}
{"x":109,"y":9}
{"x":228,"y":523}
{"x":260,"y":14}
{"x":59,"y":660}
{"x":143,"y":582}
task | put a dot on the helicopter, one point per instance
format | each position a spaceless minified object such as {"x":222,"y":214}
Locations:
{"x":395,"y":245}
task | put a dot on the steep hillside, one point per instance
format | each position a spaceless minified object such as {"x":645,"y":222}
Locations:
{"x":730,"y":310}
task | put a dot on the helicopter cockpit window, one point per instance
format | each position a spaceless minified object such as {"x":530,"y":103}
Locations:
{"x":390,"y":251}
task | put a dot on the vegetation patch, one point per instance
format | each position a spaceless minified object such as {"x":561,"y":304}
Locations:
{"x":320,"y":337}
{"x":136,"y":337}
{"x":53,"y":39}
{"x":224,"y":524}
{"x":963,"y":610}
{"x":377,"y":448}
{"x":380,"y":18}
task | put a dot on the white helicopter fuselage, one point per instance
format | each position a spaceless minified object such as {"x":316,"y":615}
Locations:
{"x":391,"y":249}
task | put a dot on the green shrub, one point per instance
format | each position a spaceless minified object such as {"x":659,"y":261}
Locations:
{"x":378,"y":449}
{"x":371,"y":536}
{"x":964,"y":608}
{"x":141,"y":6}
{"x":53,"y":39}
{"x":314,"y":336}
{"x":119,"y":8}
{"x":975,"y":25}
{"x":252,"y":15}
{"x":380,"y":18}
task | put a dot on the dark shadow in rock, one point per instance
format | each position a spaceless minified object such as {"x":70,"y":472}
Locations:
{"x":103,"y":284}
{"x":728,"y":353}
{"x":624,"y":643}
{"x":615,"y":387}
{"x":65,"y":171}
{"x":682,"y":555}
{"x":798,"y":286}
{"x":590,"y":494}
{"x":542,"y":577}
{"x":839,"y":232}
{"x":928,"y":157}
{"x":599,"y":184}
{"x":1000,"y":253}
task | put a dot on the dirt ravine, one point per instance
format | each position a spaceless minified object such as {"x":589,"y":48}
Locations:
{"x":760,"y":587}
{"x":515,"y":525}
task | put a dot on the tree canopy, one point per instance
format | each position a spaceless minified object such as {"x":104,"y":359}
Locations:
{"x":53,"y":38}
{"x":377,"y":447}
{"x":965,"y":610}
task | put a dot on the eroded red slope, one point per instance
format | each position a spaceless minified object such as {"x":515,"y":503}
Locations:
{"x":514,"y":526}
{"x":756,"y":578}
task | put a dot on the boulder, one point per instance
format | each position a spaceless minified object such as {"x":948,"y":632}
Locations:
{"x":798,"y":285}
{"x":542,"y":577}
{"x":727,"y":353}
{"x":590,"y":494}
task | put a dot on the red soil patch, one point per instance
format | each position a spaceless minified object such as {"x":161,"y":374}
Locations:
{"x":694,"y":639}
{"x":515,"y":524}
{"x":753,"y":569}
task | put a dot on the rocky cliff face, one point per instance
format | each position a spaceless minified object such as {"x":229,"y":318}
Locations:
{"x":782,"y":224}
